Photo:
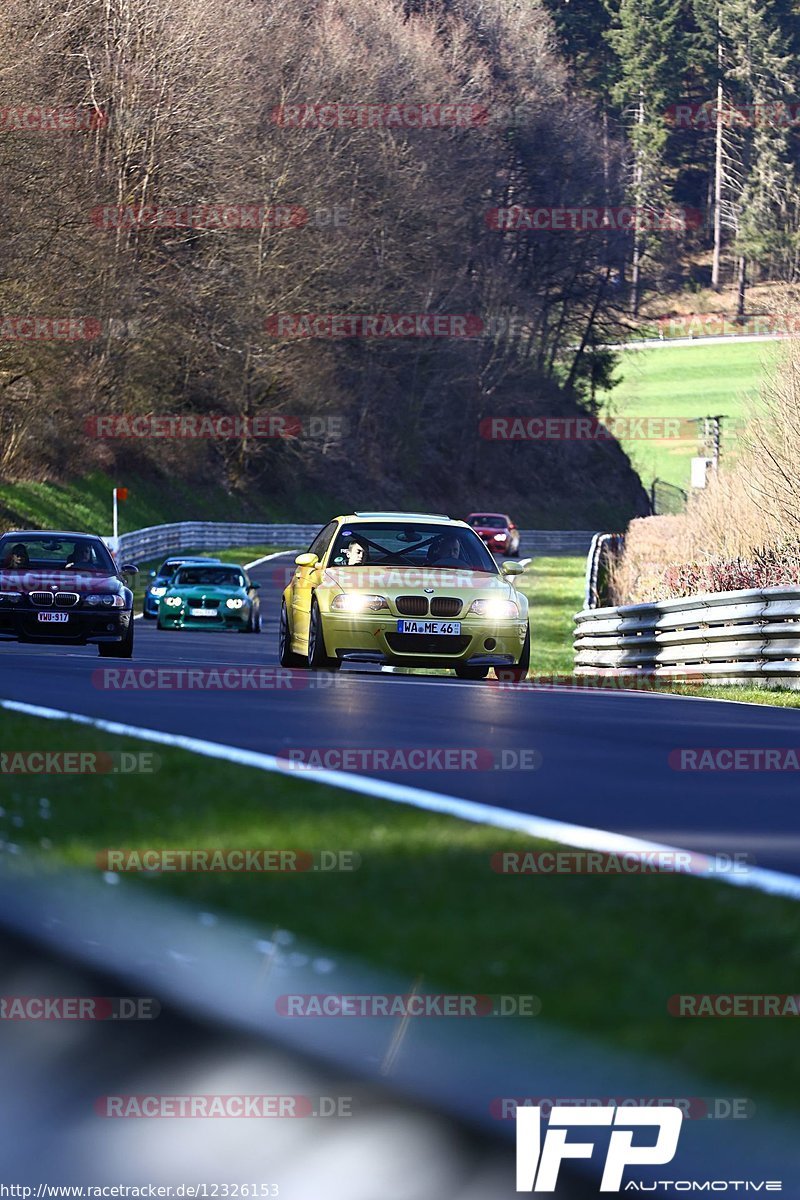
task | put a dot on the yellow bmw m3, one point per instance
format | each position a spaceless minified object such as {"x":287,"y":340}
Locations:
{"x":407,"y":589}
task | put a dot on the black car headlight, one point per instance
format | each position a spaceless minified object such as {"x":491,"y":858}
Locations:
{"x":105,"y":601}
{"x":10,"y":597}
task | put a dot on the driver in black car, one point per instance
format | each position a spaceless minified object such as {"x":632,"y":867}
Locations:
{"x":82,"y":556}
{"x":17,"y":558}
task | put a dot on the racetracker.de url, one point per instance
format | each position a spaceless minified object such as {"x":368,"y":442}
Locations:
{"x":195,"y":1191}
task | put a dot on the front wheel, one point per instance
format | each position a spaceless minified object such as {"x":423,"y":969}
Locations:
{"x":286,"y":655}
{"x":317,"y":658}
{"x":123,"y":649}
{"x":467,"y":672}
{"x":253,"y":623}
{"x":520,"y":671}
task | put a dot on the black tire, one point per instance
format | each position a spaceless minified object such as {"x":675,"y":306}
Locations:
{"x":252,"y":626}
{"x":317,"y":658}
{"x":158,"y":624}
{"x":520,"y":672}
{"x":467,"y":672}
{"x":123,"y":649}
{"x":287,"y":656}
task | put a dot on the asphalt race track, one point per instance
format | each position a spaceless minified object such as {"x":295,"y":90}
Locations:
{"x":605,"y":756}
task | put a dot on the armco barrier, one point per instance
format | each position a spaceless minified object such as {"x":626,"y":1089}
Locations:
{"x":149,"y":543}
{"x":724,"y":637}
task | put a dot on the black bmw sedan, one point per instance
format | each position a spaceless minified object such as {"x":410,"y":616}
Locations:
{"x":64,"y":588}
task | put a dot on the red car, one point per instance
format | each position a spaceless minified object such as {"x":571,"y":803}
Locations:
{"x":498,"y":532}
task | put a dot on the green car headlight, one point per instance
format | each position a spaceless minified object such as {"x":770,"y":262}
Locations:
{"x":495,"y":610}
{"x":358,"y":602}
{"x":234,"y":603}
{"x":173,"y":601}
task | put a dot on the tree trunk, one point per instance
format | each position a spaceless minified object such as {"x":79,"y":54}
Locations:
{"x":717,"y":194}
{"x":741,"y":288}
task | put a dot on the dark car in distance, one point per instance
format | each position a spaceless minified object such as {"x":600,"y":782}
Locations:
{"x":65,"y":588}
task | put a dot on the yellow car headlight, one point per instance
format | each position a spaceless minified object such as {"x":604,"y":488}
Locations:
{"x":496,"y":610}
{"x":357,"y":602}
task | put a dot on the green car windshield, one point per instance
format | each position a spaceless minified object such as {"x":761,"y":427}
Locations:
{"x":412,"y":544}
{"x":208,"y":577}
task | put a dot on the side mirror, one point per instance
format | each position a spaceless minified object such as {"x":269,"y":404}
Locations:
{"x":255,"y":586}
{"x":512,"y":568}
{"x":128,"y":569}
{"x":306,"y":560}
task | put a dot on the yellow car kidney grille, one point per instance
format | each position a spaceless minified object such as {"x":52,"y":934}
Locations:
{"x":412,"y":606}
{"x":445,"y":606}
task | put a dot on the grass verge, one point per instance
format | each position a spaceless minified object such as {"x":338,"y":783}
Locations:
{"x":603,"y":953}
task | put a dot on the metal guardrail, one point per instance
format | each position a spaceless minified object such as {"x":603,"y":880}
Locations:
{"x":209,"y":535}
{"x":724,"y":637}
{"x":217,"y":535}
{"x":602,"y":545}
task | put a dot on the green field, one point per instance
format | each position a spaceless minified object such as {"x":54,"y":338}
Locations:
{"x":689,"y":381}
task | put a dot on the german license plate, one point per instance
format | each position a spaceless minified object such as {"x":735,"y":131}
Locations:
{"x":53,"y":616}
{"x":202,"y":612}
{"x":448,"y":628}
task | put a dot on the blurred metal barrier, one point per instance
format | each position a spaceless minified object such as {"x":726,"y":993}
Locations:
{"x":724,"y":637}
{"x":423,"y":1093}
{"x":149,"y":543}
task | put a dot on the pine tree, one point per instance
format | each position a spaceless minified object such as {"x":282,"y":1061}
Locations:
{"x":647,"y":38}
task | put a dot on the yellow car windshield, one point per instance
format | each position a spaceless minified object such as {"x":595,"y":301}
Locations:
{"x":411,"y":544}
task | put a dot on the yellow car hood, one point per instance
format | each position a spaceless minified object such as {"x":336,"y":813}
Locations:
{"x":402,"y":581}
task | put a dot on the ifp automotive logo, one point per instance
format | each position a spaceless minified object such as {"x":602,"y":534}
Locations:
{"x":538,"y":1164}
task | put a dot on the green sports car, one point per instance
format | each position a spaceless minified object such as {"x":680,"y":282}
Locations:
{"x":211,"y":597}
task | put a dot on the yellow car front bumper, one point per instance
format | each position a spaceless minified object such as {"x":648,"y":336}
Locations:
{"x":374,"y":637}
